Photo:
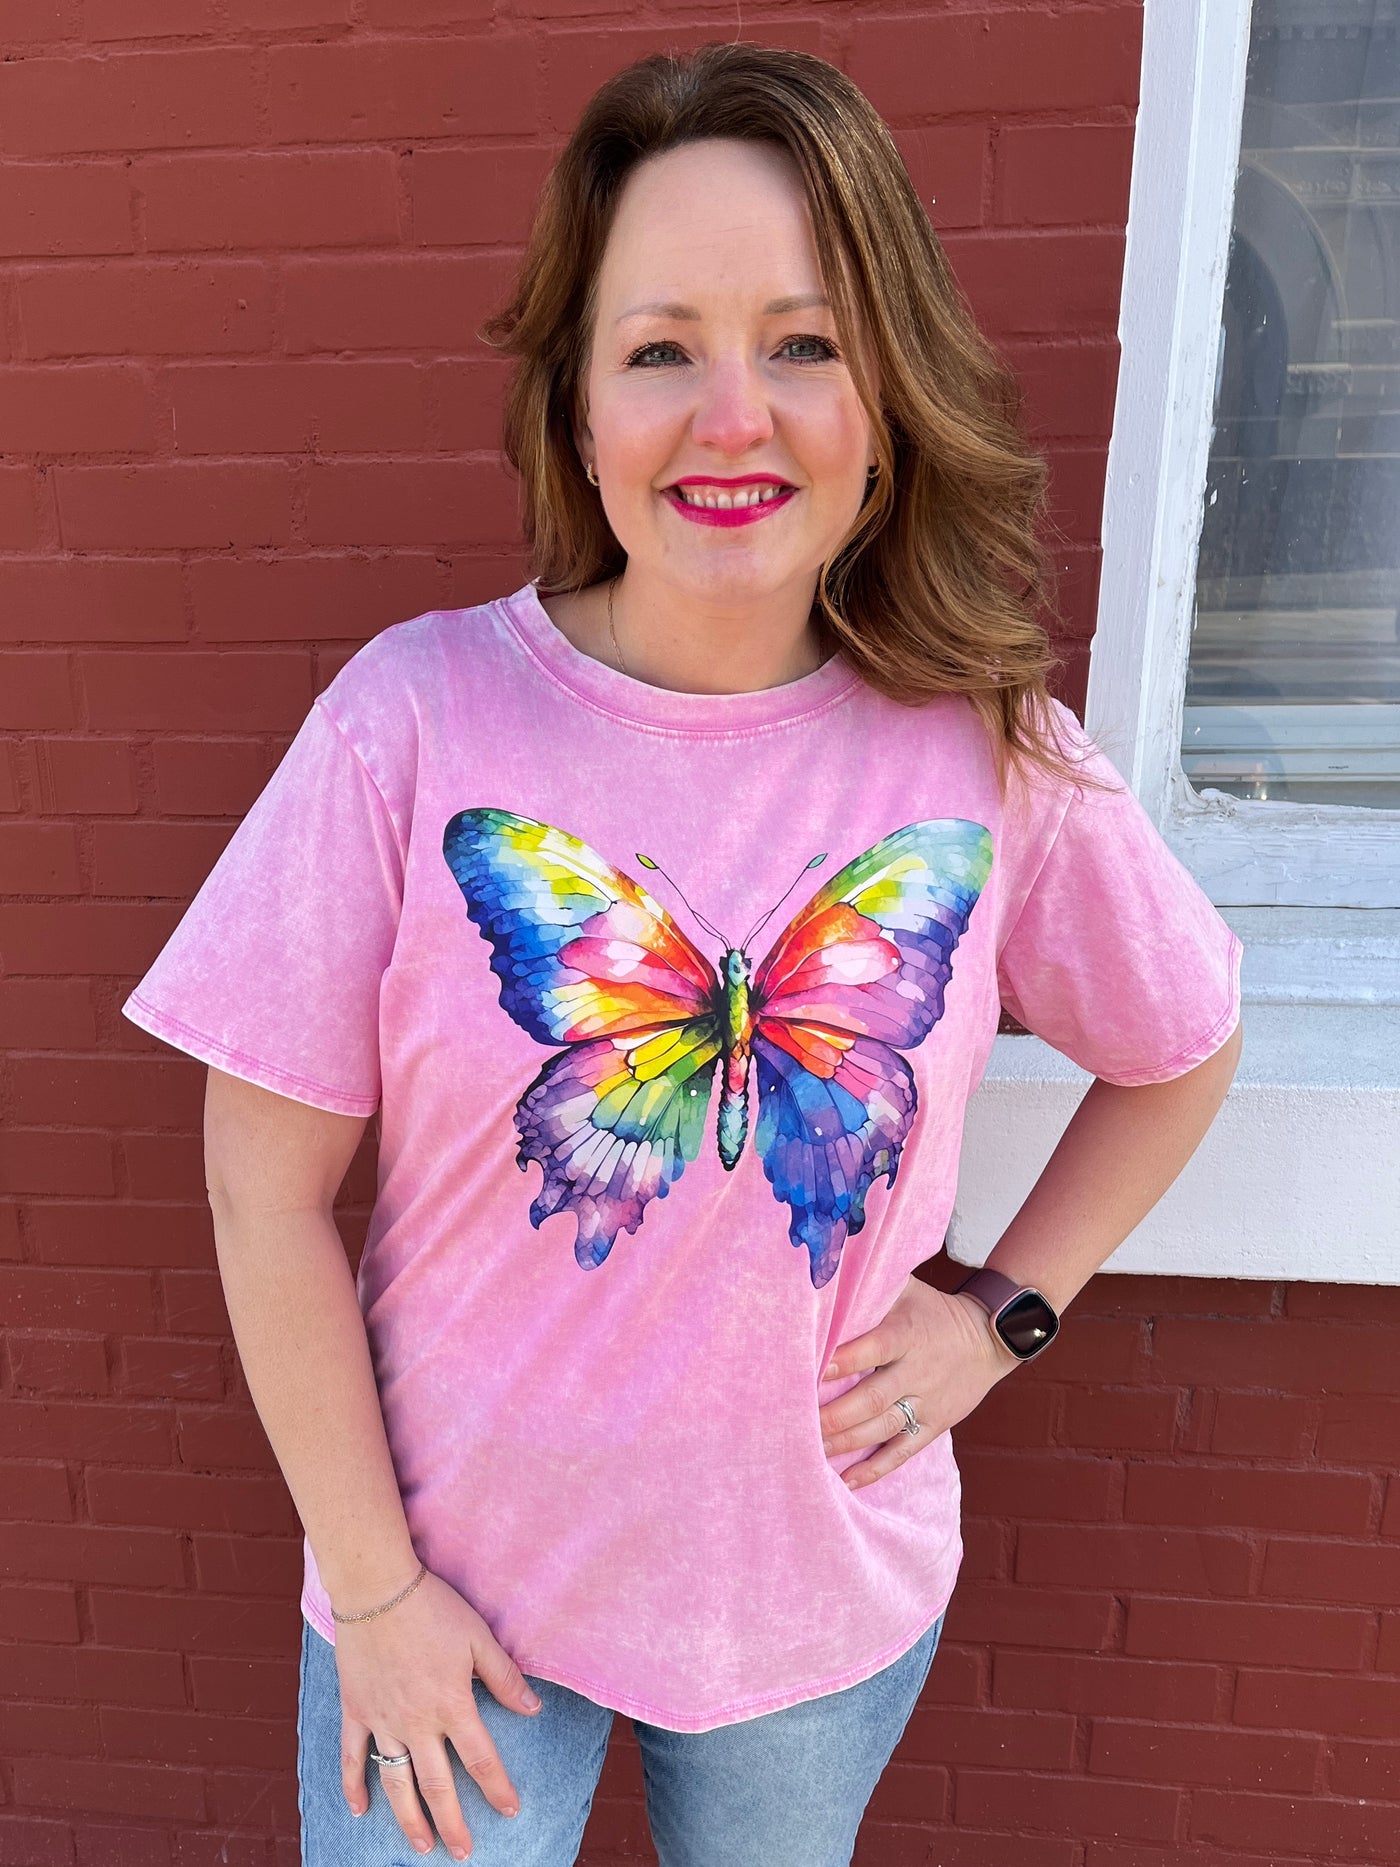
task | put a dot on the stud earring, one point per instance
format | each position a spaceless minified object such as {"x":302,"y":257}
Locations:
{"x":592,"y":476}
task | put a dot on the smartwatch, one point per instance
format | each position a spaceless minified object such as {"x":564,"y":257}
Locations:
{"x":1021,"y":1316}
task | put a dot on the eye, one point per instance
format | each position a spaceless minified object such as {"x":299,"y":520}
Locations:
{"x":637,"y":355}
{"x":827,"y":350}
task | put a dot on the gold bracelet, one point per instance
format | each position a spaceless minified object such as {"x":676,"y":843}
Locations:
{"x":370,"y":1613}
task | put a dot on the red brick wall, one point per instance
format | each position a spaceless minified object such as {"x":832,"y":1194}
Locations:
{"x":244,"y":425}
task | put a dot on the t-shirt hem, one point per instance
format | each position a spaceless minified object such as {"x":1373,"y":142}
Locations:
{"x":310,"y":1615}
{"x":736,"y":1709}
{"x":173,"y":1030}
{"x":1203,"y":1046}
{"x":731,"y":1713}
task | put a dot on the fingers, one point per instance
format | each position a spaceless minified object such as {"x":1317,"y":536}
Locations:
{"x":473,"y":1745}
{"x":906,"y":1361}
{"x":354,"y":1748}
{"x":429,"y":1773}
{"x":890,"y":1455}
{"x":502,"y":1678}
{"x":891,"y":1337}
{"x":871,"y":1350}
{"x":848,"y":1421}
{"x":889,"y":1433}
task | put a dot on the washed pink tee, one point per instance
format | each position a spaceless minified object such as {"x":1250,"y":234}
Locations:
{"x":644,"y":1165}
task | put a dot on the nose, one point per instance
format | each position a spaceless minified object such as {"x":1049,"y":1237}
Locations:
{"x":732,"y":415}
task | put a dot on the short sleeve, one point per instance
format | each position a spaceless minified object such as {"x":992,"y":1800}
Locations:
{"x":1115,"y":956}
{"x":274,"y":971}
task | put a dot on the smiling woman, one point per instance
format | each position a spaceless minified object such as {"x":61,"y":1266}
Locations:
{"x":665,"y":1409}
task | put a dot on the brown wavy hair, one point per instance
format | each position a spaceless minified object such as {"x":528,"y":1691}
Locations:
{"x":934,"y":589}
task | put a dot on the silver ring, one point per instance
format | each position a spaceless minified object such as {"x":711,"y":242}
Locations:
{"x":404,"y":1757}
{"x":912,"y":1425}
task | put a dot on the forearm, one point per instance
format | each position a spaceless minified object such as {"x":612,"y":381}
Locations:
{"x":1119,"y":1153}
{"x":301,"y":1338}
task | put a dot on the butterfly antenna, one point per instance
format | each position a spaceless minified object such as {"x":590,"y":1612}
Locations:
{"x":695,"y":915}
{"x":815,"y":863}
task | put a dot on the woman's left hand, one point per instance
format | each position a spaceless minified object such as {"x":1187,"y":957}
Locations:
{"x":933,"y":1349}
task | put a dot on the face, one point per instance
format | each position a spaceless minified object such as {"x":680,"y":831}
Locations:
{"x":716,"y":379}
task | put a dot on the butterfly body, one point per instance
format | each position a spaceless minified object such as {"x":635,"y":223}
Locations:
{"x":732,"y":1127}
{"x":587,"y":959}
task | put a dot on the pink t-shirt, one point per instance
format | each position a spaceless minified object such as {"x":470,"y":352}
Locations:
{"x":641,"y":1170}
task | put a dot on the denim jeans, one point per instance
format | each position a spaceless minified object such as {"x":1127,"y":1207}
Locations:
{"x":785,"y":1789}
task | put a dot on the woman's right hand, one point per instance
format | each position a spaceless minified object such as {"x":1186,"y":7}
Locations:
{"x":406,"y":1684}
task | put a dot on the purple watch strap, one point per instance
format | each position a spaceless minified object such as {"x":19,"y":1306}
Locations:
{"x":991,"y":1288}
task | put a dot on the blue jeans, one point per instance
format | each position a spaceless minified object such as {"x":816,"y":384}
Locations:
{"x":785,"y":1789}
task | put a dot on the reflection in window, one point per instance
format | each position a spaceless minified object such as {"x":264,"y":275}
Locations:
{"x":1293,"y":688}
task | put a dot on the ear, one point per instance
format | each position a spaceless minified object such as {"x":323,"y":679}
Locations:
{"x":583,"y":442}
{"x":578,"y":425}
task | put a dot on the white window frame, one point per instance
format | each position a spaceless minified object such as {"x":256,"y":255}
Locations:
{"x":1299,"y":1176}
{"x":1244,"y":852}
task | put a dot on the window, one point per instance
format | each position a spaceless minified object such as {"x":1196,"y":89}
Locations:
{"x":1246,"y":675}
{"x":1293,"y":681}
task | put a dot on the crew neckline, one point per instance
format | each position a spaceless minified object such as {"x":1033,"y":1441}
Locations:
{"x":612,"y":691}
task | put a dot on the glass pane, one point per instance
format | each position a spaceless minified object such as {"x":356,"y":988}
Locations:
{"x":1293,"y":688}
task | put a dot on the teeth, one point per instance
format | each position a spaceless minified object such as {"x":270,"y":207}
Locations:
{"x":711,"y":496}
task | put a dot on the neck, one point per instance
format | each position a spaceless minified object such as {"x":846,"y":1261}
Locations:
{"x":670,"y":639}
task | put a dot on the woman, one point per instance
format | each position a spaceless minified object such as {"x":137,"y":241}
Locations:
{"x":662,"y":1427}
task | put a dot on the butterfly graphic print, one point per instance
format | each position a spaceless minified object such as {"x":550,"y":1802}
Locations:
{"x":588,"y":960}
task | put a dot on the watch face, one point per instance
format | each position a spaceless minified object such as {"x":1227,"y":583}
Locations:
{"x":1027,"y":1323}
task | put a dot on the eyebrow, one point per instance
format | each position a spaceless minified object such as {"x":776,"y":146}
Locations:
{"x":775,"y":308}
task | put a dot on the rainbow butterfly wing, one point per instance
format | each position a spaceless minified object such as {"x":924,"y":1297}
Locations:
{"x":588,"y":959}
{"x":580,"y":949}
{"x":859,"y":974}
{"x":825,"y":1134}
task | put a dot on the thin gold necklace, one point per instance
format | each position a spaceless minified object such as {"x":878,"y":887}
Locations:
{"x":612,"y":629}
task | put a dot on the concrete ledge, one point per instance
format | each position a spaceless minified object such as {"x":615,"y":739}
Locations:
{"x":1298,"y":1178}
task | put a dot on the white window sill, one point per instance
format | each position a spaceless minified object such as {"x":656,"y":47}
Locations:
{"x":1299,"y":1176}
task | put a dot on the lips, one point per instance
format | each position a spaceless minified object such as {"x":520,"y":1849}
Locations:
{"x":729,"y":502}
